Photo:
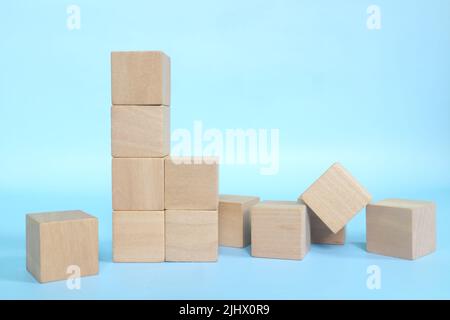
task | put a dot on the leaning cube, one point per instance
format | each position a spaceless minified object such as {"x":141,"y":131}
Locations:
{"x":336,"y":197}
{"x":401,"y":228}
{"x":60,"y":244}
{"x":140,"y":78}
{"x":320,"y":233}
{"x":234,"y":220}
{"x":191,"y":235}
{"x":191,"y":183}
{"x":280,"y":229}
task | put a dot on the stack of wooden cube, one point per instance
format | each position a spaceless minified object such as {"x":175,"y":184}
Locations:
{"x":165,"y":208}
{"x":140,"y":135}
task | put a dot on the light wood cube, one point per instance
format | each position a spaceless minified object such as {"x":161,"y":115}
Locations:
{"x":191,"y":235}
{"x":140,"y":78}
{"x":280,"y":229}
{"x":336,"y":197}
{"x":191,"y":183}
{"x":58,"y":240}
{"x":401,"y":228}
{"x":140,"y":131}
{"x":138,"y":184}
{"x":234,"y":220}
{"x":138,"y":236}
{"x":320,"y":233}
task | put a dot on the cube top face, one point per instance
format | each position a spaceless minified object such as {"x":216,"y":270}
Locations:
{"x":56,"y":242}
{"x":401,"y":228}
{"x":140,"y":78}
{"x":229,"y":198}
{"x":403,"y":203}
{"x":191,"y":235}
{"x":336,"y":197}
{"x":278,"y":207}
{"x":138,"y":236}
{"x":59,"y":216}
{"x":138,"y":184}
{"x":140,"y":131}
{"x":191,"y":185}
{"x":279,"y":230}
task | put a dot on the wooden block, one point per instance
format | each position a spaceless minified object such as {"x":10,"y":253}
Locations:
{"x":140,"y":78}
{"x":280,"y":229}
{"x":191,"y":235}
{"x":320,"y":233}
{"x":234,"y":220}
{"x":140,"y":131}
{"x":57,"y":240}
{"x":138,"y":236}
{"x":138,"y":184}
{"x":336,"y":197}
{"x":191,"y":183}
{"x":401,"y":228}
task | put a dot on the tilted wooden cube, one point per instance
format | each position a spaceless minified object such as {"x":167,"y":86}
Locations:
{"x":59,"y":240}
{"x":138,"y":184}
{"x":234,"y":220}
{"x":280,"y":229}
{"x":336,"y":197}
{"x":191,"y":235}
{"x":140,"y":78}
{"x":140,"y":131}
{"x":320,"y":233}
{"x":138,"y":236}
{"x":191,"y":183}
{"x":401,"y":228}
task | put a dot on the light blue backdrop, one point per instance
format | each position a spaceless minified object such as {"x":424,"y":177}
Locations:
{"x":378,"y":101}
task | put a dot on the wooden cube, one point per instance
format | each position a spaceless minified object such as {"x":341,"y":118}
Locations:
{"x":191,"y":183}
{"x":58,"y":240}
{"x":336,"y":197}
{"x":401,"y":228}
{"x":138,"y":236}
{"x":234,"y":220}
{"x":140,"y":131}
{"x":140,"y":78}
{"x":138,"y":184}
{"x":191,"y":235}
{"x":280,"y":229}
{"x":320,"y":233}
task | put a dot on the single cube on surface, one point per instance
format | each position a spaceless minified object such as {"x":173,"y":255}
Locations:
{"x":401,"y":228}
{"x":234,"y":220}
{"x":61,"y":243}
{"x":280,"y":229}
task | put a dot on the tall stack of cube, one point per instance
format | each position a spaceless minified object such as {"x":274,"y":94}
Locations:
{"x":140,"y":135}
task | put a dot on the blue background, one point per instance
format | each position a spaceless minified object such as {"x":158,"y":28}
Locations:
{"x":378,"y":101}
